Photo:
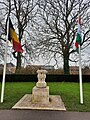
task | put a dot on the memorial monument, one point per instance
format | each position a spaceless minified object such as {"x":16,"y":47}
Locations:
{"x":40,"y":98}
{"x":40,"y":93}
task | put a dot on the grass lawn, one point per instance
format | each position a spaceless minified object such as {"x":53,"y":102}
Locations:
{"x":69,"y":93}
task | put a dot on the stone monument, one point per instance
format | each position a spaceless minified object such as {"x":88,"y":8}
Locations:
{"x":40,"y":93}
{"x":40,"y":98}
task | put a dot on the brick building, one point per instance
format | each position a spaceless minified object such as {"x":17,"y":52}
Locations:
{"x":74,"y":70}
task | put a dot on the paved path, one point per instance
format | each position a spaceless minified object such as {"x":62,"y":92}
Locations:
{"x":42,"y":115}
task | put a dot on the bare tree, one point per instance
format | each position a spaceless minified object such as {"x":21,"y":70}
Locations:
{"x":21,"y":13}
{"x":2,"y":34}
{"x":56,"y":26}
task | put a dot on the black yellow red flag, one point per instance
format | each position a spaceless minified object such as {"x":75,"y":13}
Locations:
{"x":12,"y":37}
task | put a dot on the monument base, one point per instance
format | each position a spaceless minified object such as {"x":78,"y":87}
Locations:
{"x":55,"y":103}
{"x":40,"y":95}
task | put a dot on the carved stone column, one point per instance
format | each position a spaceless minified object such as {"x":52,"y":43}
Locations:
{"x":40,"y":92}
{"x":41,"y":78}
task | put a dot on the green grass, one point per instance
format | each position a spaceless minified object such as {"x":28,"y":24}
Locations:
{"x":14,"y":91}
{"x":69,"y":93}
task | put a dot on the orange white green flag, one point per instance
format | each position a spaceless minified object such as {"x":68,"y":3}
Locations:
{"x":78,"y":37}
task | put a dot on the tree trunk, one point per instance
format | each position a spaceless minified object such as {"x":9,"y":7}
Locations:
{"x":18,"y":61}
{"x":19,"y":54}
{"x":66,"y":64}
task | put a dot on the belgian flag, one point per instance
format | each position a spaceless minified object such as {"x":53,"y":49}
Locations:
{"x":12,"y":37}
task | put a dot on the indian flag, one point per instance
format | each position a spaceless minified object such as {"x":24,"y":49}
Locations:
{"x":12,"y":37}
{"x":78,"y":38}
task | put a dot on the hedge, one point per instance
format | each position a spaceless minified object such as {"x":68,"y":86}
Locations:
{"x":49,"y":78}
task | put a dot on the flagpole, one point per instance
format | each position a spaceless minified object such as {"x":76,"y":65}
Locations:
{"x":80,"y":76}
{"x":5,"y":57}
{"x":80,"y":65}
{"x":5,"y":61}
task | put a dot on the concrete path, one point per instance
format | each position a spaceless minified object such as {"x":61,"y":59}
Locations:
{"x":42,"y":115}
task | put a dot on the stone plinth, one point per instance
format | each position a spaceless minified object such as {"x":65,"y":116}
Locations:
{"x":40,"y":95}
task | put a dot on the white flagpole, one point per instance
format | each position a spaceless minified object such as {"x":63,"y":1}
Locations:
{"x":80,"y":76}
{"x":5,"y":61}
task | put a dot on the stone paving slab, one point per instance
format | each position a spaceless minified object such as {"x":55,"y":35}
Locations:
{"x":55,"y":103}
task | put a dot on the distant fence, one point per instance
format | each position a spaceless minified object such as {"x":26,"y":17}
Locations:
{"x":49,"y":78}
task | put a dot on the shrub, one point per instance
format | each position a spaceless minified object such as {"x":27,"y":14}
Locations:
{"x":33,"y":70}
